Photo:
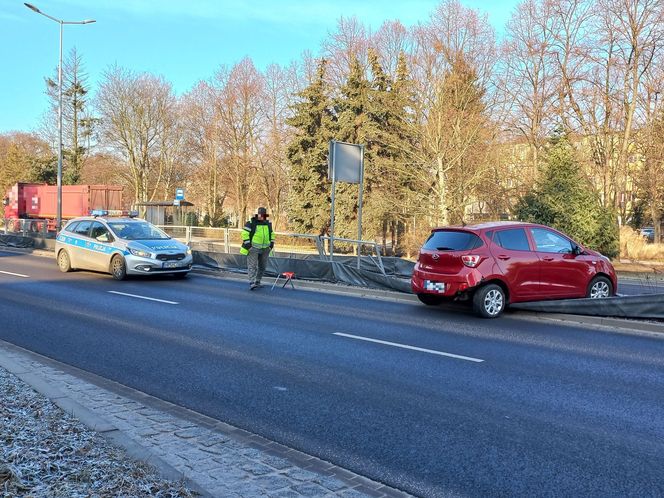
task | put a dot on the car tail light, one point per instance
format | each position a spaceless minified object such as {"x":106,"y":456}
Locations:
{"x":470,"y":261}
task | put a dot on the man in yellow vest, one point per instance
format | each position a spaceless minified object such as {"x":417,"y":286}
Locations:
{"x":257,"y":242}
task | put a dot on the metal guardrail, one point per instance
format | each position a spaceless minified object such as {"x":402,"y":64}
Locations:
{"x":25,"y":227}
{"x":358,"y":245}
{"x":294,"y":243}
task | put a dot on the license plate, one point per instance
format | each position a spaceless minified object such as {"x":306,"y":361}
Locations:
{"x":172,"y":264}
{"x":430,"y":285}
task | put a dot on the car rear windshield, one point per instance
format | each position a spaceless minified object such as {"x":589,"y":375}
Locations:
{"x":452,"y":240}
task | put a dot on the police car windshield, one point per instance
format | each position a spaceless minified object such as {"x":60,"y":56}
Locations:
{"x":137,"y":230}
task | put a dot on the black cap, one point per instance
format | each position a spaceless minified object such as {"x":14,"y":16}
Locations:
{"x":263,"y":211}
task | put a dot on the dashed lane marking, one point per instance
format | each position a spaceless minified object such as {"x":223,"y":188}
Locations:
{"x":143,"y":297}
{"x":15,"y":274}
{"x":414,"y":348}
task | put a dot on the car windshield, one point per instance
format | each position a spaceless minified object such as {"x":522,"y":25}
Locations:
{"x":452,"y":240}
{"x":137,"y":230}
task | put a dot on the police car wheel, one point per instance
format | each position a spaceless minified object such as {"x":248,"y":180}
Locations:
{"x":118,"y":268}
{"x":63,"y":261}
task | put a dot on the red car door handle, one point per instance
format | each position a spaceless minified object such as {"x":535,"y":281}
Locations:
{"x":548,"y":258}
{"x":502,"y":256}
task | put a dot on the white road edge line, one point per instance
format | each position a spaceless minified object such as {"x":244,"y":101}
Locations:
{"x":14,"y":274}
{"x":414,"y":348}
{"x":143,"y":297}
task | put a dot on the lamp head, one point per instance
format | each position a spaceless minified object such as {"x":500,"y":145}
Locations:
{"x":32,"y":7}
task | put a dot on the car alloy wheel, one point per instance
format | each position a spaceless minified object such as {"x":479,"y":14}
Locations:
{"x":493,"y":302}
{"x":489,"y":301}
{"x":599,"y":288}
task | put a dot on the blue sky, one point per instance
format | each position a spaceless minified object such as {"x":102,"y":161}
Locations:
{"x":183,"y":40}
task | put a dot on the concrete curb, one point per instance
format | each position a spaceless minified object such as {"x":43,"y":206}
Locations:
{"x":614,"y":323}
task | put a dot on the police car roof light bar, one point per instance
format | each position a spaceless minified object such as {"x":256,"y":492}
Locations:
{"x":99,"y":212}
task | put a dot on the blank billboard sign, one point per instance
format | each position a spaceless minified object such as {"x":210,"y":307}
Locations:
{"x":346,"y":159}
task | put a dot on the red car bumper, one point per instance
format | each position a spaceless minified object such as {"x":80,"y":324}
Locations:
{"x":423,"y":282}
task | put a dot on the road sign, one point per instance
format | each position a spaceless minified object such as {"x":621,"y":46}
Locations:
{"x":179,"y":194}
{"x":345,"y":162}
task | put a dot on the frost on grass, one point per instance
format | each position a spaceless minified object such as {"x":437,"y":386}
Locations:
{"x":46,"y":452}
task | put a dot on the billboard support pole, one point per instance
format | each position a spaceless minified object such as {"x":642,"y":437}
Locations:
{"x":332,"y":199}
{"x":359,"y":209}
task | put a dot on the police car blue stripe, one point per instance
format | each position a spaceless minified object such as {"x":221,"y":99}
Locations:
{"x":89,"y":245}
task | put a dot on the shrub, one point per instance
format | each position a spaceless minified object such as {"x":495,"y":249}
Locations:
{"x":565,"y":201}
{"x":634,"y":246}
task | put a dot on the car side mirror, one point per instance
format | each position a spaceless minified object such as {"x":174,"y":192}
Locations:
{"x":577,"y":250}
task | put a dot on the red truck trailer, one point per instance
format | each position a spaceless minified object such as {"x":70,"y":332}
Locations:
{"x":40,"y":201}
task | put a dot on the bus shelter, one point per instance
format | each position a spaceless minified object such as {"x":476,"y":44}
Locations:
{"x":165,"y":212}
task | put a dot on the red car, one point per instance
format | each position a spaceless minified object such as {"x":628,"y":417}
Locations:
{"x":495,"y":264}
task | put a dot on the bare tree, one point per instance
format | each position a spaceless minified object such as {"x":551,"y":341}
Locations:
{"x":349,"y":42}
{"x":390,"y":41}
{"x":273,"y":142}
{"x":528,"y":81}
{"x":203,"y":142}
{"x":453,"y":63}
{"x":650,"y":177}
{"x":22,"y":156}
{"x":138,"y":120}
{"x":237,"y":108}
{"x":604,"y":52}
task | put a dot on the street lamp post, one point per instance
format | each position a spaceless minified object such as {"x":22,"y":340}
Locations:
{"x":58,"y":222}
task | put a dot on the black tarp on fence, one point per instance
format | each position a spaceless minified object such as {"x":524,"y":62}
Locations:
{"x":644,"y":306}
{"x":311,"y":268}
{"x":10,"y":240}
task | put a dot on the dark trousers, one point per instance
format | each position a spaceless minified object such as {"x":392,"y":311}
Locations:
{"x":256,"y":263}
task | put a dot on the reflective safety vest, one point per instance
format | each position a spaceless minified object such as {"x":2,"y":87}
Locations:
{"x":256,"y":234}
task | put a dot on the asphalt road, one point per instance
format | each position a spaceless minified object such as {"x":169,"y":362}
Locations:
{"x":642,"y":285}
{"x":445,"y":405}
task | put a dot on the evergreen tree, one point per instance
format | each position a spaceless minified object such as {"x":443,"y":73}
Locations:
{"x":380,"y":198}
{"x":309,"y":195}
{"x":392,"y":142}
{"x":44,"y":170}
{"x":564,"y":200}
{"x":77,"y":124}
{"x":353,"y":126}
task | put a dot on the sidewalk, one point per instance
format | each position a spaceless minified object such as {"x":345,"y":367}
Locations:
{"x":209,"y":457}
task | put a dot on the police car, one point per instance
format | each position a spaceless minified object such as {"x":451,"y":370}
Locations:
{"x":120,"y":245}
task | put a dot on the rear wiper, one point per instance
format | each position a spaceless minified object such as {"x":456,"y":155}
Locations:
{"x":444,"y":249}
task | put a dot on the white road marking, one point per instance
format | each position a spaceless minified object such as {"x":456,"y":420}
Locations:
{"x":143,"y":297}
{"x":414,"y":348}
{"x":14,"y":274}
